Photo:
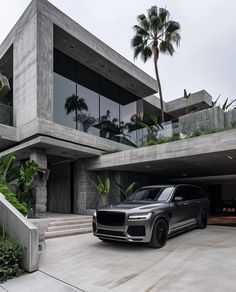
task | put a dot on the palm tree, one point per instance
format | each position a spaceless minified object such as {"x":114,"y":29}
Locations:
{"x":155,"y":33}
{"x":75,"y":104}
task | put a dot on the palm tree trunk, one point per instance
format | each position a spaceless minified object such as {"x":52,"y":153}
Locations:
{"x":160,"y":91}
{"x":76,"y":121}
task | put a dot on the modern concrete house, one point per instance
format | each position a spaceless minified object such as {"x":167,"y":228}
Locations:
{"x":74,"y":99}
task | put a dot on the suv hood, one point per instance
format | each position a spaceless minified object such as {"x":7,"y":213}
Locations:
{"x":134,"y":206}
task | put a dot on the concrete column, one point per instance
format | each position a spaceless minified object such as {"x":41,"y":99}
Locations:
{"x":40,"y":156}
{"x":86,"y":196}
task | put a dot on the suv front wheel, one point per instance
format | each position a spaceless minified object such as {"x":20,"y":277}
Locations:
{"x":159,"y":234}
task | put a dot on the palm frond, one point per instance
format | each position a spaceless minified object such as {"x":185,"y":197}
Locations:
{"x":141,"y":31}
{"x":164,"y":15}
{"x":224,"y":107}
{"x":146,"y":53}
{"x":167,"y":48}
{"x":143,"y":22}
{"x":137,"y":40}
{"x":215,"y":102}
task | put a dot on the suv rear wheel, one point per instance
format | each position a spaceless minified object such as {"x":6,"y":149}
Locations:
{"x":159,"y":234}
{"x":202,"y":224}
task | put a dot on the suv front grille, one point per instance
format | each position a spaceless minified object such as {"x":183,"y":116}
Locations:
{"x":110,"y":232}
{"x":111,"y":218}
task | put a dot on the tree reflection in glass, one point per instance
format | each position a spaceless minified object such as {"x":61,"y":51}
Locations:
{"x":109,"y":128}
{"x":78,"y":105}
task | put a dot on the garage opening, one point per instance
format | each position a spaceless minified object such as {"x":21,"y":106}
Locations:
{"x":221,"y":191}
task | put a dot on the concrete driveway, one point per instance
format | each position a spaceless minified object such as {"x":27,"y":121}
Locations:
{"x":196,"y":261}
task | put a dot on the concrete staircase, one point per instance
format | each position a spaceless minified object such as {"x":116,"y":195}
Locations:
{"x":68,"y":226}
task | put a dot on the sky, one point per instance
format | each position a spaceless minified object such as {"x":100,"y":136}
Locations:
{"x":206,"y":58}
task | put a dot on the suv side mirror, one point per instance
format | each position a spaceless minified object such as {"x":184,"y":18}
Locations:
{"x":178,"y":199}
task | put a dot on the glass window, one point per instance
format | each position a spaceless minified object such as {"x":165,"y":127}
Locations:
{"x":64,"y":103}
{"x":109,"y":110}
{"x":6,"y":94}
{"x":89,"y":116}
{"x":109,"y":119}
{"x":128,"y":123}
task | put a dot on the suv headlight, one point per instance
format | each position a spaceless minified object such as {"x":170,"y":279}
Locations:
{"x":95,"y":214}
{"x":142,"y":216}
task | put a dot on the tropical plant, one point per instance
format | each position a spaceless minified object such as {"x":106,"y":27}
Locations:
{"x":6,"y":166}
{"x":21,"y":177}
{"x":75,"y":104}
{"x":155,"y":34}
{"x":11,"y":198}
{"x":25,"y":175}
{"x":186,"y":96}
{"x":127,"y":191}
{"x":103,"y":188}
{"x":10,"y":256}
{"x":227,"y":105}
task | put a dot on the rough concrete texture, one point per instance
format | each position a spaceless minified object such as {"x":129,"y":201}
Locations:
{"x":196,"y":261}
{"x":212,"y":118}
{"x":25,"y":74}
{"x":220,"y":142}
{"x":40,"y":156}
{"x":230,"y":118}
{"x":200,"y":99}
{"x":22,"y":231}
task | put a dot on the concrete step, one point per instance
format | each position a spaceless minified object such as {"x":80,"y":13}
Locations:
{"x":72,"y":222}
{"x":55,"y":234}
{"x":70,"y":218}
{"x":71,"y":226}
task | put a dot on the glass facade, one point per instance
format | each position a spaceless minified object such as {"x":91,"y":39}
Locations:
{"x":86,"y":101}
{"x":6,"y":96}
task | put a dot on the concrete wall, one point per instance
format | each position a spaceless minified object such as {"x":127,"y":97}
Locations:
{"x":88,"y":199}
{"x":22,"y":231}
{"x":24,"y":74}
{"x":230,"y":118}
{"x":212,"y":118}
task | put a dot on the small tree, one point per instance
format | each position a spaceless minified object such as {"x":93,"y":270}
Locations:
{"x":186,"y":96}
{"x":103,"y":187}
{"x":128,"y":190}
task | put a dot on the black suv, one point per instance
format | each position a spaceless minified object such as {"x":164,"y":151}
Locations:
{"x":152,"y":214}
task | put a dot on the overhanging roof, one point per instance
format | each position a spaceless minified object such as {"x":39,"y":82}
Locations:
{"x":199,"y":100}
{"x":213,"y":154}
{"x":53,"y":147}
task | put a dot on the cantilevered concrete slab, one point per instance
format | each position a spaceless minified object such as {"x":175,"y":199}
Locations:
{"x":213,"y":154}
{"x":53,"y":147}
{"x":199,"y":100}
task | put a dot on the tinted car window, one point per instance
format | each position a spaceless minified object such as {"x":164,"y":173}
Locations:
{"x":189,"y":193}
{"x":151,"y":194}
{"x":182,"y":192}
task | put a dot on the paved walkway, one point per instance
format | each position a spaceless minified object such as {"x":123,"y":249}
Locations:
{"x":196,"y":261}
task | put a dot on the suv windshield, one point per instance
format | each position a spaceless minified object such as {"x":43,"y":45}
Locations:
{"x":159,"y":194}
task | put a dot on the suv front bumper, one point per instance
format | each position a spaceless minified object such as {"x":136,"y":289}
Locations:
{"x":131,"y":231}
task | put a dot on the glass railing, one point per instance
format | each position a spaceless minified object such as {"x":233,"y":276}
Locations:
{"x":147,"y":135}
{"x":6,"y":114}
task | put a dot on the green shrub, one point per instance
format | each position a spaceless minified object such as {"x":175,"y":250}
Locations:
{"x":10,"y":255}
{"x":11,"y":198}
